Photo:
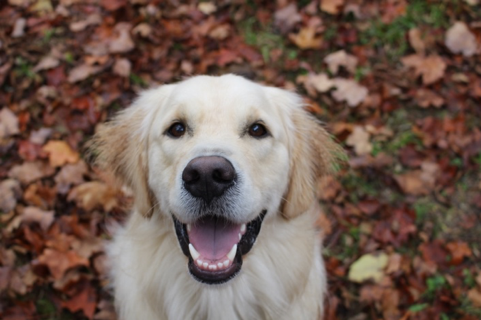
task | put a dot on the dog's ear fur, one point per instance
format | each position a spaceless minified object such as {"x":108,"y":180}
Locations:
{"x":121,"y":147}
{"x":313,"y":153}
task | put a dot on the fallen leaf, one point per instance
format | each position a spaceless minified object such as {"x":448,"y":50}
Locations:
{"x":416,"y":41}
{"x":286,"y":18}
{"x":359,"y":139}
{"x":368,"y":267}
{"x":85,"y":301}
{"x":31,"y":171}
{"x":82,"y":72}
{"x":40,"y":136}
{"x":121,"y":42}
{"x":349,"y":91}
{"x":143,"y":29}
{"x":207,"y":7}
{"x":10,"y":192}
{"x":122,"y":67}
{"x":331,"y":6}
{"x":46,"y":63}
{"x":112,"y":5}
{"x":459,"y":39}
{"x":8,"y":123}
{"x":19,"y":28}
{"x":306,"y":38}
{"x":459,"y":250}
{"x":59,"y":262}
{"x":92,"y":19}
{"x":430,"y":68}
{"x":60,"y":153}
{"x":94,"y":194}
{"x":474,"y":295}
{"x":340,"y":59}
{"x":42,"y":217}
{"x":426,"y":98}
{"x":70,"y":174}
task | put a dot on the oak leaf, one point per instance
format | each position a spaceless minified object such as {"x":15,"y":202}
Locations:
{"x":340,"y":59}
{"x":94,"y":194}
{"x":431,"y":68}
{"x":349,"y":91}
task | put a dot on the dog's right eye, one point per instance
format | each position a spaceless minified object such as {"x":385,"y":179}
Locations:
{"x":176,"y":130}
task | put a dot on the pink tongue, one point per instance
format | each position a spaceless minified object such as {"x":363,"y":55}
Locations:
{"x":213,"y":237}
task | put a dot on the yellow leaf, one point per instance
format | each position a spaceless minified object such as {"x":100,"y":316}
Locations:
{"x":367,"y":267}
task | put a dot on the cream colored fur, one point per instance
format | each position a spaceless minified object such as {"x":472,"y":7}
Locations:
{"x":283,"y":276}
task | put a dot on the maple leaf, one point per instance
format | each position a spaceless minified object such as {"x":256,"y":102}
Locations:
{"x":85,"y":300}
{"x":60,"y":153}
{"x":460,"y":40}
{"x":286,"y":18}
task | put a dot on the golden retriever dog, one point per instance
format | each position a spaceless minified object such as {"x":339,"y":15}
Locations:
{"x":224,"y":174}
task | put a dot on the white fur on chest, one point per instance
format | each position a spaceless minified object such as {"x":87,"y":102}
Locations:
{"x":282,"y":277}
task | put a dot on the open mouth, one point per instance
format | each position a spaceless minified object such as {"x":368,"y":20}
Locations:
{"x":215,"y":246}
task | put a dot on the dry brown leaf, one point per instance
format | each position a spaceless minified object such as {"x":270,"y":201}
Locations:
{"x":40,"y":136}
{"x":220,"y":32}
{"x":349,"y":91}
{"x":122,"y":67}
{"x":419,"y":182}
{"x":339,"y":59}
{"x":46,"y":63}
{"x":122,"y":42}
{"x":207,"y":7}
{"x":92,"y":19}
{"x":60,"y":153}
{"x":459,"y":250}
{"x":286,"y":18}
{"x":70,"y":174}
{"x":416,"y":41}
{"x":459,"y":39}
{"x":320,"y":82}
{"x":426,"y":98}
{"x":94,"y":194}
{"x":430,"y":68}
{"x":31,"y":171}
{"x":59,"y":262}
{"x":42,"y":217}
{"x":19,"y":28}
{"x":82,"y":72}
{"x":359,"y":139}
{"x":8,"y":123}
{"x":306,"y":38}
{"x":474,"y":295}
{"x":331,"y":6}
{"x":10,"y":192}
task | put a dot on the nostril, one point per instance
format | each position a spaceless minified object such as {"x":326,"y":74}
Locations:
{"x":190,"y":175}
{"x":223,"y":175}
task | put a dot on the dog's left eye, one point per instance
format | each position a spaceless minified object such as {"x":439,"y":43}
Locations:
{"x":257,"y":130}
{"x":176,"y":130}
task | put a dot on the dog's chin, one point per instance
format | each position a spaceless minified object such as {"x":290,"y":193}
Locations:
{"x":215,"y":246}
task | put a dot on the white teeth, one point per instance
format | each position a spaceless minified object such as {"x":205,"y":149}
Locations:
{"x":232,"y":252}
{"x":243,"y":228}
{"x":219,"y":265}
{"x":205,"y":265}
{"x":212,"y":267}
{"x":188,"y":227}
{"x":199,"y":262}
{"x":193,"y":252}
{"x":226,"y":263}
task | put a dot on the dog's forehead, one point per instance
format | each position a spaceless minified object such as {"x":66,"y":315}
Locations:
{"x":219,"y":94}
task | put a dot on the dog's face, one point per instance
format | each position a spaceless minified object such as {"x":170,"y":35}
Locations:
{"x":216,"y":155}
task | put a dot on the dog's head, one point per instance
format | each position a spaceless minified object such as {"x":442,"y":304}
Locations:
{"x":216,"y":155}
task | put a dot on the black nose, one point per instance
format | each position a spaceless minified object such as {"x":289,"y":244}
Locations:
{"x":208,"y":177}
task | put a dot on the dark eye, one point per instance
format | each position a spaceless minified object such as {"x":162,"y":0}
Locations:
{"x":176,"y":130}
{"x":257,"y":130}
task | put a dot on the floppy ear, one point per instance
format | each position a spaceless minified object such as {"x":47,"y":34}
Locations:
{"x":121,"y":147}
{"x":313,"y":153}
